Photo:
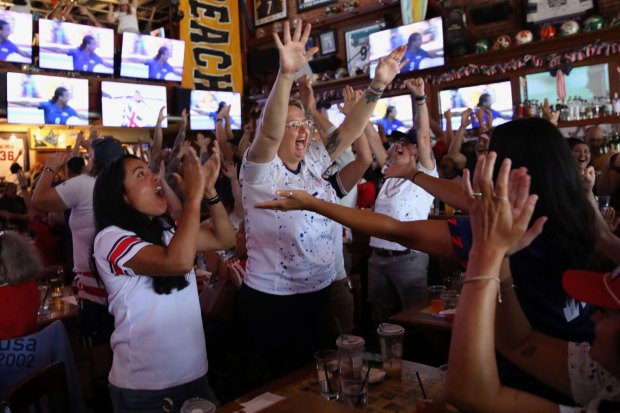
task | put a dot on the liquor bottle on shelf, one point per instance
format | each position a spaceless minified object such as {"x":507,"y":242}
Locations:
{"x":616,"y":104}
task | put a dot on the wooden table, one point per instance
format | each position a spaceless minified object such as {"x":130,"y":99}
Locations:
{"x":302,"y":394}
{"x":421,"y":316}
{"x":67,"y":311}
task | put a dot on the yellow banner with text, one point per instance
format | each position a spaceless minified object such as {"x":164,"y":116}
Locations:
{"x":211,"y":30}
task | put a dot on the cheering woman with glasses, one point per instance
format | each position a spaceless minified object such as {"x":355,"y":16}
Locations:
{"x":291,"y":255}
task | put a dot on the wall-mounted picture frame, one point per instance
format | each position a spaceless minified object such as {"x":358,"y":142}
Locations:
{"x":303,"y":5}
{"x":327,"y":42}
{"x":543,"y":11}
{"x":357,"y":48}
{"x":269,"y":11}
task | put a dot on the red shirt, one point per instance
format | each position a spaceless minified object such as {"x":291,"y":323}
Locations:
{"x":19,"y":306}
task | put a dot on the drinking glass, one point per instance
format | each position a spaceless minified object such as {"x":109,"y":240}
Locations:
{"x":328,"y":371}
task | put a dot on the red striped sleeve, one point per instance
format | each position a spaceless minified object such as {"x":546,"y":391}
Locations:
{"x":119,"y":250}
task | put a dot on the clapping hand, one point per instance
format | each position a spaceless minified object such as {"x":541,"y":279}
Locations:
{"x":211,"y":171}
{"x":191,"y":180}
{"x":293,"y":54}
{"x":350,"y":98}
{"x":416,"y":86}
{"x":500,"y":213}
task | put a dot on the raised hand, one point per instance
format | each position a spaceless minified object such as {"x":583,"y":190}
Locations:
{"x":185,"y":146}
{"x":500,"y":213}
{"x":211,"y":170}
{"x":184,"y":118}
{"x":191,"y":179}
{"x":56,"y":161}
{"x":306,"y":92}
{"x":225,"y":112}
{"x":293,"y":54}
{"x":416,"y":86}
{"x":466,"y":118}
{"x":162,"y":115}
{"x":389,"y":66}
{"x":350,"y":98}
{"x":588,"y":178}
{"x":448,"y":115}
{"x":230,"y":170}
{"x":293,"y":200}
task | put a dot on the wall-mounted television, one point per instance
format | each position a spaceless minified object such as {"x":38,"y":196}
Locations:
{"x":205,"y":105}
{"x":398,"y":105}
{"x":15,"y":37}
{"x":457,"y":100}
{"x":38,"y":100}
{"x":69,"y":46}
{"x":424,"y":41}
{"x":150,"y":57}
{"x":132,"y":105}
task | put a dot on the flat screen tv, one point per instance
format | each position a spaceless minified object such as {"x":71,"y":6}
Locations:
{"x":15,"y":37}
{"x":132,"y":105}
{"x":424,"y":41}
{"x":38,"y":100}
{"x":401,"y":107}
{"x":70,"y":46}
{"x":150,"y":57}
{"x":205,"y":105}
{"x":457,"y":100}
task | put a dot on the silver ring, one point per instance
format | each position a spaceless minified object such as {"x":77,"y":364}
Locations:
{"x":290,"y":194}
{"x":476,"y":194}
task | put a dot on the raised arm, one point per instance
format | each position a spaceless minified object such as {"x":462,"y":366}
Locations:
{"x":425,"y":150}
{"x":351,"y":174}
{"x":306,"y":93}
{"x":376,"y":145}
{"x":499,"y":219}
{"x":293,"y":57}
{"x":230,"y":171}
{"x":75,"y":151}
{"x":93,"y":20}
{"x":158,"y":138}
{"x":111,"y":17}
{"x":45,"y":198}
{"x":178,"y":256}
{"x":355,"y":122}
{"x":432,"y":237}
{"x":181,"y":135}
{"x":457,"y":142}
{"x":221,"y":134}
{"x":222,"y":234}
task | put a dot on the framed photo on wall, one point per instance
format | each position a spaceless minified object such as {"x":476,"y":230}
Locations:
{"x":357,"y":48}
{"x":540,"y":11}
{"x":327,"y":41}
{"x":303,"y":5}
{"x":268,"y":11}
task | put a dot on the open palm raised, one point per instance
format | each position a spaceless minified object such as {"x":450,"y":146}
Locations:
{"x":293,"y":54}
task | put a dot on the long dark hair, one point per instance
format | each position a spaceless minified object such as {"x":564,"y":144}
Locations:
{"x":58,"y":93}
{"x":161,"y":52}
{"x":112,"y":209}
{"x":540,"y":147}
{"x":85,"y":41}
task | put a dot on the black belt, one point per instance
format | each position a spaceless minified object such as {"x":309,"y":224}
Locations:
{"x":390,"y":253}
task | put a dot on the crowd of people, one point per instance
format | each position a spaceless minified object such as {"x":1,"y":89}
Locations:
{"x":264,"y":210}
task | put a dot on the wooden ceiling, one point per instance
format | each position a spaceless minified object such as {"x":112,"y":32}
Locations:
{"x":99,"y":9}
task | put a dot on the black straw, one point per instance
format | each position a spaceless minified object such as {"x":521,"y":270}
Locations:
{"x":360,"y":398}
{"x":329,"y":386}
{"x":420,"y":381}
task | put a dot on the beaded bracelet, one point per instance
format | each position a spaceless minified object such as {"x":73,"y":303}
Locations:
{"x":375,"y":91}
{"x":486,"y":278}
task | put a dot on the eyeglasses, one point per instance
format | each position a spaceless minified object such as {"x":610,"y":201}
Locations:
{"x":295,"y":124}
